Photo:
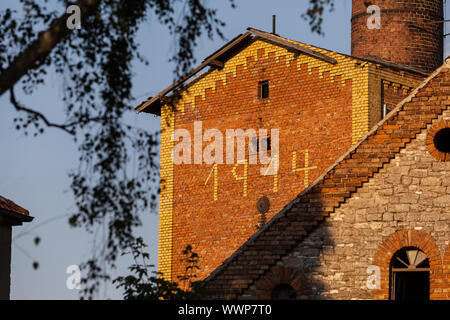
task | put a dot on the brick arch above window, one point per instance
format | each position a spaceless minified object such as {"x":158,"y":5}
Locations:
{"x":283,"y":275}
{"x":446,"y":271}
{"x":410,"y":238}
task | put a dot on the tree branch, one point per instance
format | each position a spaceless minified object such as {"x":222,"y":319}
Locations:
{"x":33,"y":56}
{"x":68,"y":127}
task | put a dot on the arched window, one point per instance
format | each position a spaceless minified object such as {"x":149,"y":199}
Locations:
{"x":283,"y":292}
{"x":410,"y":275}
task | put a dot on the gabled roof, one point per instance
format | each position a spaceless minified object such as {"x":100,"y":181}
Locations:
{"x":337,"y":184}
{"x":13,"y":214}
{"x":218,"y":59}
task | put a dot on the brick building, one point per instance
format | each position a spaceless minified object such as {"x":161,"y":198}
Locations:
{"x":11,"y":215}
{"x":311,"y":229}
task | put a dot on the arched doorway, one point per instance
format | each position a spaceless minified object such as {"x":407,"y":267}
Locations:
{"x":410,"y":275}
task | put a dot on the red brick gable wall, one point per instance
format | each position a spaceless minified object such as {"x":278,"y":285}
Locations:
{"x":311,"y":209}
{"x":320,"y":109}
{"x":314,"y":116}
{"x":392,"y":95}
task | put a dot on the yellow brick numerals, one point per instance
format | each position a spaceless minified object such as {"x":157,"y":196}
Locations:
{"x":272,"y":169}
{"x":306,"y":169}
{"x":213,"y":173}
{"x":244,"y":175}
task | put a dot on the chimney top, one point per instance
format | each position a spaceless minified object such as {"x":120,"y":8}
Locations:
{"x":400,"y":32}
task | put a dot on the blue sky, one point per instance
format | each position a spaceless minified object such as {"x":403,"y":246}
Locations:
{"x":34,"y":171}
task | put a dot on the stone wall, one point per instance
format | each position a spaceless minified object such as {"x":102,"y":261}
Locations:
{"x":405,"y":204}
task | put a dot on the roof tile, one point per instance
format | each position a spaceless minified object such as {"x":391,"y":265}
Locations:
{"x":11,"y":206}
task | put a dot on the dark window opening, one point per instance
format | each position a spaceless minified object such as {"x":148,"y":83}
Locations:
{"x":283,"y":292}
{"x":263,"y":89}
{"x":410,"y":275}
{"x":265,"y":143}
{"x":412,"y":285}
{"x":442,"y":140}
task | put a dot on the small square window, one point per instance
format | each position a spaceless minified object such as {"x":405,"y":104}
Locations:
{"x":264,"y":142}
{"x":263,"y":89}
{"x":267,"y":144}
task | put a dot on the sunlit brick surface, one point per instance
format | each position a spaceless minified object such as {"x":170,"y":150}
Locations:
{"x":320,"y":110}
{"x":404,"y":36}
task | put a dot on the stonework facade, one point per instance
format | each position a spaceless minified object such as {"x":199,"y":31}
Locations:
{"x":404,"y":205}
{"x":386,"y":194}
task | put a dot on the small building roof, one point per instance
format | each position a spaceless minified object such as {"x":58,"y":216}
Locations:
{"x":13,"y":214}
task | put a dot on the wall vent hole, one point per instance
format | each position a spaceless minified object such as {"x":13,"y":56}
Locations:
{"x":442,"y":140}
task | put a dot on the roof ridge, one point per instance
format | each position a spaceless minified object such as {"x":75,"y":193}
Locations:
{"x":304,"y":43}
{"x":374,"y":60}
{"x":338,"y":197}
{"x":242,"y":39}
{"x":213,"y":60}
{"x":281,"y":41}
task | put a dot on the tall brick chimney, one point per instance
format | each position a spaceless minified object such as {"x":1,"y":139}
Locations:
{"x":405,"y":36}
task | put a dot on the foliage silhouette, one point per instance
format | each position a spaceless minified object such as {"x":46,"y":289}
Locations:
{"x":144,"y":284}
{"x":94,"y":63}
